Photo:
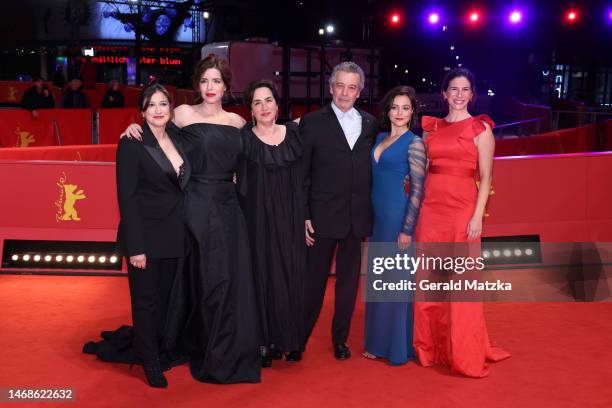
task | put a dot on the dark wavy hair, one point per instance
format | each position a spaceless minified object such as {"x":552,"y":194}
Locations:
{"x":147,"y":93}
{"x":211,"y":61}
{"x":387,"y":102}
{"x":458,"y":73}
{"x":249,"y":91}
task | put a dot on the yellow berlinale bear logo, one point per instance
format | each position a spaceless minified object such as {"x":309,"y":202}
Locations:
{"x":24,"y":138}
{"x":12,"y":94}
{"x":69,"y":195}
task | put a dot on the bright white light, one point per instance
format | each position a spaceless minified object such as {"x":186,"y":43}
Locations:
{"x":518,"y":252}
{"x":424,"y":80}
{"x":102,"y":259}
{"x":395,"y":66}
{"x":507,"y":253}
{"x":69,"y":258}
{"x":59,"y":258}
{"x":330,"y":28}
{"x":405,"y":71}
{"x":321,"y":31}
{"x":91,"y":259}
{"x":113,"y":259}
{"x":457,"y":57}
{"x":48,"y":258}
{"x":452,"y":47}
{"x":206,"y":15}
{"x":529,"y":252}
{"x":486,"y":254}
{"x":80,"y":258}
{"x":15,"y":258}
{"x":37,"y":258}
{"x":496,"y":253}
{"x":26,"y":257}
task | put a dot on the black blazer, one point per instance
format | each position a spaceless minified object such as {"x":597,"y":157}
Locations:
{"x":337,"y":179}
{"x":150,"y":197}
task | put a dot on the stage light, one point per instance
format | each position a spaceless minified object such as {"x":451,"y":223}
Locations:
{"x":529,"y":252}
{"x":433,"y":18}
{"x":102,"y":259}
{"x":59,"y":258}
{"x":26,"y":257}
{"x":37,"y":258}
{"x":113,"y":259}
{"x":48,"y":258}
{"x":571,"y":16}
{"x":80,"y":258}
{"x":330,"y":28}
{"x":91,"y":259}
{"x":69,"y":258}
{"x":507,"y":253}
{"x":321,"y":31}
{"x":518,"y":252}
{"x":515,"y":17}
{"x":496,"y":253}
{"x":15,"y":258}
{"x":394,"y":19}
{"x":474,"y":17}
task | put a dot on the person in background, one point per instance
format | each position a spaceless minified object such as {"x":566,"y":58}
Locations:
{"x":37,"y":97}
{"x":74,"y":98}
{"x":113,"y":98}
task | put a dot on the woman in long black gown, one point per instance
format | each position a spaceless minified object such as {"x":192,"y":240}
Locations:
{"x":269,"y":182}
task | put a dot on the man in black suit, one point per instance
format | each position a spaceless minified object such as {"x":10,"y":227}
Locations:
{"x":337,"y":142}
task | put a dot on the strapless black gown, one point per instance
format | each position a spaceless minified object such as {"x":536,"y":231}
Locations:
{"x":220,"y":332}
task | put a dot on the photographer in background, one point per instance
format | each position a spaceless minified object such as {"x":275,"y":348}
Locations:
{"x":37,"y":97}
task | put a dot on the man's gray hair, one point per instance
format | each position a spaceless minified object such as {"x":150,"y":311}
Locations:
{"x":348,"y":66}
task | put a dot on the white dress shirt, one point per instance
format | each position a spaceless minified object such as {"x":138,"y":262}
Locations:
{"x":350,"y":122}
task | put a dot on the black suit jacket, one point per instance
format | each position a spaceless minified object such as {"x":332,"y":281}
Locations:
{"x":150,"y":197}
{"x":337,"y":179}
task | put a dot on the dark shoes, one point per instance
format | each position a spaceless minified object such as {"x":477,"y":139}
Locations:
{"x":295,"y":355}
{"x":154,"y":374}
{"x":266,"y":356}
{"x":342,"y":351}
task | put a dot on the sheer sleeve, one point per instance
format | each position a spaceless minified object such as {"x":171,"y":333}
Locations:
{"x":417,"y":161}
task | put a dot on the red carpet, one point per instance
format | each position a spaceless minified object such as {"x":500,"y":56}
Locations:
{"x":561,"y":357}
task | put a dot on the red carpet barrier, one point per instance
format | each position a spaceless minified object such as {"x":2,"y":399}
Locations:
{"x":112,"y":122}
{"x":576,"y":140}
{"x":559,"y":197}
{"x":563,"y":198}
{"x":12,"y":91}
{"x":18,"y":128}
{"x":91,"y":153}
{"x":606,"y":129}
{"x":58,"y":201}
{"x":74,"y":125}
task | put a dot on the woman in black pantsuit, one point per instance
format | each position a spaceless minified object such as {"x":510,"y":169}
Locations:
{"x":150,"y":178}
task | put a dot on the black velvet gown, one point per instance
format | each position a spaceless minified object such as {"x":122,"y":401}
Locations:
{"x":216,"y":296}
{"x":270,"y":186}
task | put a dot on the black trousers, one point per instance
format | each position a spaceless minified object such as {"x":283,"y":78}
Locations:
{"x":348,"y":260}
{"x":149,"y":292}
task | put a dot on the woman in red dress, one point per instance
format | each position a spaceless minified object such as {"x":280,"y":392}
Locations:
{"x":455,"y":333}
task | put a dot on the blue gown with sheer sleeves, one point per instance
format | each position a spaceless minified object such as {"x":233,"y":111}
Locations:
{"x":389,"y":325}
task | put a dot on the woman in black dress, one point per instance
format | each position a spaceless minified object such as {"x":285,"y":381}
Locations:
{"x":269,"y":182}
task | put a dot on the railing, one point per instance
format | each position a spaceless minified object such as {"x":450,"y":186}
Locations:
{"x":572,"y":118}
{"x":521,"y":128}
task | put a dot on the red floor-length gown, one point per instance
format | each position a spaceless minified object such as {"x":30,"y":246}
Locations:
{"x":451,"y":333}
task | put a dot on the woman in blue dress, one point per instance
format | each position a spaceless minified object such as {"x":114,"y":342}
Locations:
{"x":398,"y":161}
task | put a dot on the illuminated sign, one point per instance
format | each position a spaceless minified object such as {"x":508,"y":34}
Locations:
{"x":109,"y":59}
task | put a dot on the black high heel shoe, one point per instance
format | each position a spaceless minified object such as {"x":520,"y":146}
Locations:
{"x":275,"y":353}
{"x":154,"y":374}
{"x":295,"y":355}
{"x":266,"y":357}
